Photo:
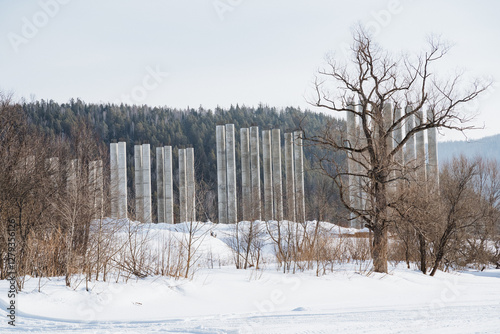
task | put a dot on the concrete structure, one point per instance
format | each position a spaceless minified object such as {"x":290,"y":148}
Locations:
{"x":289,"y":177}
{"x":113,"y":165}
{"x":432,"y":166}
{"x":277,"y":176}
{"x":221,"y":173}
{"x":52,"y":165}
{"x":420,"y":148}
{"x":96,"y":183}
{"x":409,"y":153}
{"x":72,"y":179}
{"x":268,"y":175}
{"x":122,"y":180}
{"x":168,"y":182}
{"x":138,"y":184}
{"x":398,"y":138}
{"x":146,"y":178}
{"x":160,"y":184}
{"x":142,"y":183}
{"x":255,"y":173}
{"x":389,"y":142}
{"x":232,"y":206}
{"x":190,"y":186}
{"x":299,"y":176}
{"x":360,"y":199}
{"x":353,"y":180}
{"x":246,"y":193}
{"x":182,"y":186}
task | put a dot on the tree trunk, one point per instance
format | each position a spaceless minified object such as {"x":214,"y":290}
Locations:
{"x":441,"y":247}
{"x":423,"y":253}
{"x":380,"y":249}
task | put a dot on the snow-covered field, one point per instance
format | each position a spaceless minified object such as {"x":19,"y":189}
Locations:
{"x":227,"y":300}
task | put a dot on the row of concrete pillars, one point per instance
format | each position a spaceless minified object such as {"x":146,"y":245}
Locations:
{"x":251,"y":196}
{"x":413,"y":157}
{"x":142,"y":183}
{"x":73,"y":175}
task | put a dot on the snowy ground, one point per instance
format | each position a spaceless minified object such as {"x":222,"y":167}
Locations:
{"x":226,"y":300}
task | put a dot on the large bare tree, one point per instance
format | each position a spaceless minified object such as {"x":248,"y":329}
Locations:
{"x":365,"y":86}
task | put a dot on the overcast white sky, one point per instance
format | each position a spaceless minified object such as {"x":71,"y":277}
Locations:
{"x":223,"y":52}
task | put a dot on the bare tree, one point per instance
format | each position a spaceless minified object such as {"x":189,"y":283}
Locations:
{"x":374,"y":79}
{"x":470,"y":193}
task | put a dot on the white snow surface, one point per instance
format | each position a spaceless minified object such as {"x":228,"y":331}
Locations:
{"x":223,"y":299}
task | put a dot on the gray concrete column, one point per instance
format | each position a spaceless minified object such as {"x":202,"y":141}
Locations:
{"x":255,"y":173}
{"x":245,"y":174}
{"x":232,"y":213}
{"x":190,"y":185}
{"x":146,"y":177}
{"x":220,"y":137}
{"x":277,"y":176}
{"x":409,"y":153}
{"x":113,"y":166}
{"x":122,"y":180}
{"x":360,"y":195}
{"x":420,"y":148}
{"x":96,"y":184}
{"x":52,"y":165}
{"x":168,"y":182}
{"x":389,"y":142}
{"x":289,"y":177}
{"x":398,"y":137}
{"x":72,"y":180}
{"x":299,"y":176}
{"x":433,"y":166}
{"x":182,"y":186}
{"x":160,"y":184}
{"x":398,"y":157}
{"x":353,"y":180}
{"x":138,"y":184}
{"x":268,"y":175}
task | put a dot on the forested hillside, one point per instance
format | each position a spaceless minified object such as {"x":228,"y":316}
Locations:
{"x":185,"y":128}
{"x":487,"y":147}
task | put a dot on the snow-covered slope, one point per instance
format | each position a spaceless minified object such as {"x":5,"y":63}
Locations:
{"x":227,"y":300}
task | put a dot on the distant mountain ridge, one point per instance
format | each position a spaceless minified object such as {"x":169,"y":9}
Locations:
{"x":487,"y":147}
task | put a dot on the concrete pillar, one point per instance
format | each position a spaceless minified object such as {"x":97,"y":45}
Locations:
{"x":232,"y":213}
{"x":160,"y":184}
{"x":268,"y":175}
{"x":360,"y":195}
{"x":245,"y":174}
{"x":388,"y":119}
{"x":420,"y":148}
{"x":389,"y":142}
{"x":433,"y":167}
{"x":168,"y":185}
{"x":289,"y":177}
{"x":182,"y":186}
{"x":353,"y":181}
{"x":113,"y":165}
{"x":190,"y":186}
{"x":138,"y":184}
{"x":96,"y":183}
{"x":299,"y":176}
{"x":52,"y":165}
{"x":409,"y":154}
{"x":72,"y":180}
{"x":220,"y":137}
{"x":122,"y":180}
{"x":277,"y":178}
{"x":398,"y":138}
{"x":146,"y":177}
{"x":255,"y":173}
